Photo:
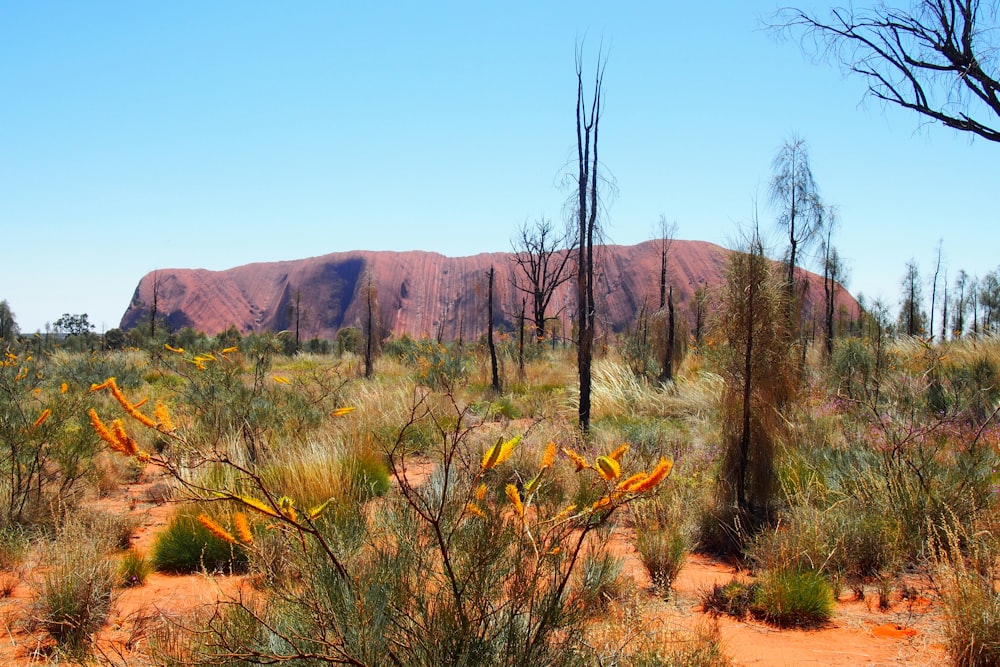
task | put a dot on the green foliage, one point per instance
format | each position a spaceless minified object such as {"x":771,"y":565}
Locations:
{"x":760,"y":372}
{"x":75,"y":592}
{"x":966,"y":565}
{"x":46,"y":442}
{"x":663,"y":552}
{"x":793,"y":598}
{"x":133,"y":569}
{"x":186,"y":546}
{"x":734,"y":598}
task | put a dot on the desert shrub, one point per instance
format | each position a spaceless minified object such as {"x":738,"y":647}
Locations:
{"x":662,"y":551}
{"x":702,"y":648}
{"x":663,"y":528}
{"x":966,"y":566}
{"x":472,"y":565}
{"x":600,"y":581}
{"x":75,"y":591}
{"x":187,"y":546}
{"x":133,"y":569}
{"x":734,"y":598}
{"x":46,"y":444}
{"x":793,"y":598}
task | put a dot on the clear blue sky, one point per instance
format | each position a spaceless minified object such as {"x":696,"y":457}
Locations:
{"x":137,"y":136}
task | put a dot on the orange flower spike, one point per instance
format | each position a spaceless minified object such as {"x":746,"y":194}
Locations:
{"x":175,"y":350}
{"x":126,"y":443}
{"x":619,"y":453}
{"x":480,"y":492}
{"x":41,"y":418}
{"x":243,"y":528}
{"x":473,"y":508}
{"x":103,"y":432}
{"x":565,"y":513}
{"x":163,"y":420}
{"x":104,"y":385}
{"x":550,"y":455}
{"x":661,"y":470}
{"x":141,"y":402}
{"x":631,"y":482}
{"x":499,"y":452}
{"x":581,"y":463}
{"x":281,"y":379}
{"x":230,"y":350}
{"x":63,"y":388}
{"x":515,"y":498}
{"x":217,"y":530}
{"x":340,"y":412}
{"x":601,"y":504}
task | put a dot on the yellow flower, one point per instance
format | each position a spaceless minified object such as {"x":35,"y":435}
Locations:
{"x":230,"y":350}
{"x":608,"y":468}
{"x":473,"y":508}
{"x":499,"y":452}
{"x":515,"y":498}
{"x":480,"y":492}
{"x":281,"y":379}
{"x":564,"y":513}
{"x":340,"y":412}
{"x":175,"y":350}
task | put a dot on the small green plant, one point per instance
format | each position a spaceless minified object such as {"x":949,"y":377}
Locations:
{"x":600,"y":581}
{"x":75,"y":593}
{"x":186,"y":545}
{"x":133,"y":569}
{"x":734,"y":598}
{"x":663,"y":551}
{"x":966,"y":567}
{"x":793,"y":598}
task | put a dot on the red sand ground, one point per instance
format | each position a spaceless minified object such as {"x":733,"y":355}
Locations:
{"x":909,"y":633}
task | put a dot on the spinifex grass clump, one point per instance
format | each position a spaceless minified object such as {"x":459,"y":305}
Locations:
{"x":793,"y":598}
{"x":75,"y":592}
{"x":195,"y":542}
{"x":966,"y":567}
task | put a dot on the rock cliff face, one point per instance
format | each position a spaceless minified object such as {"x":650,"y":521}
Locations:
{"x":420,"y":293}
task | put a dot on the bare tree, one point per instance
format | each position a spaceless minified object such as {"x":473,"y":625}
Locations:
{"x":937,"y":58}
{"x":934,"y":288}
{"x":667,"y":232}
{"x":542,"y":255}
{"x":588,"y":118}
{"x":794,"y":194}
{"x":154,"y":306}
{"x":494,"y":368}
{"x":961,"y":303}
{"x":911,"y":317}
{"x":833,"y":277}
{"x":371,"y":326}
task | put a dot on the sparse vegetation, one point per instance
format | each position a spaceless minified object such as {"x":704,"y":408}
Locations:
{"x":442,"y":506}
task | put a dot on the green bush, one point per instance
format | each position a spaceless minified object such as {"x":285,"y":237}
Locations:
{"x":793,"y":598}
{"x":663,"y":552}
{"x":734,"y":598}
{"x":133,"y":569}
{"x":75,"y":593}
{"x":186,"y":546}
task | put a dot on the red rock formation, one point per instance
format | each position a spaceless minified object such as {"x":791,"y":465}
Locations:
{"x":419,"y":293}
